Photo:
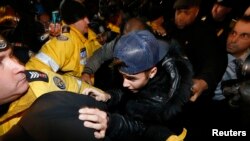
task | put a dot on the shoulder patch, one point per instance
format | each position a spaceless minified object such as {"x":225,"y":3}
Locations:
{"x":34,"y":75}
{"x":61,"y":37}
{"x":59,"y":82}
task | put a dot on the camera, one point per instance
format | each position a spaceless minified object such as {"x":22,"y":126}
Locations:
{"x":237,"y":90}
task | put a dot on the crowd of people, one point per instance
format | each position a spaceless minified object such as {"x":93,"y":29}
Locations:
{"x":115,"y":70}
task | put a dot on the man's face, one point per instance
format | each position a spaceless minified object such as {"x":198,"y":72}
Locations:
{"x":238,"y":41}
{"x":13,"y":81}
{"x":185,"y":17}
{"x":85,"y":25}
{"x":247,"y":12}
{"x":219,"y":12}
{"x":132,"y":25}
{"x":135,"y":82}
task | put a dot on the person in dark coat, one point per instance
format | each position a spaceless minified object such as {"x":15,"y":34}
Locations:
{"x":221,"y":19}
{"x":151,"y":97}
{"x":200,"y":45}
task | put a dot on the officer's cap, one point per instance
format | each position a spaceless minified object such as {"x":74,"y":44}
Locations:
{"x":184,"y":4}
{"x":72,"y":11}
{"x":227,"y":3}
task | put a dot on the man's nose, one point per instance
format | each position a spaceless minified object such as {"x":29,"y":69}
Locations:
{"x":125,"y":83}
{"x":16,"y":66}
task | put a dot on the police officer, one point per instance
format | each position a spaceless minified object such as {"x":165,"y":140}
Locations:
{"x":69,"y":51}
{"x":200,"y":46}
{"x":20,"y":88}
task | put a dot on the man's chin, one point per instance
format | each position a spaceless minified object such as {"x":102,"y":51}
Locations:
{"x":180,"y":26}
{"x":24,"y":89}
{"x":134,"y":91}
{"x":229,"y":49}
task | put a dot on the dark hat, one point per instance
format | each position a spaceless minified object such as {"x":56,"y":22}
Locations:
{"x":109,"y":8}
{"x":140,"y":51}
{"x":183,"y":4}
{"x":227,"y":3}
{"x":72,"y":11}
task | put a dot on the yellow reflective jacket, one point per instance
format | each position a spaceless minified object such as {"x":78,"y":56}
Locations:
{"x":113,"y":28}
{"x":40,"y":82}
{"x":66,"y":53}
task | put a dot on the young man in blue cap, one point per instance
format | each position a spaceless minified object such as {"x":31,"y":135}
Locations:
{"x":155,"y":91}
{"x":156,"y":86}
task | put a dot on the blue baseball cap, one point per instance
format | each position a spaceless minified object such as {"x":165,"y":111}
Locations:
{"x":140,"y":51}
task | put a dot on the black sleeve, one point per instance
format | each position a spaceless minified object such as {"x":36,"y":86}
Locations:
{"x":212,"y":58}
{"x":54,"y":117}
{"x":116,"y":97}
{"x":123,"y":127}
{"x":157,"y":133}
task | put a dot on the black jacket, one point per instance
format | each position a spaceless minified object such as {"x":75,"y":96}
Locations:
{"x":143,"y":114}
{"x":199,"y":43}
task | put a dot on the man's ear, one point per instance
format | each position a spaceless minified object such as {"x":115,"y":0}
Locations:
{"x":197,"y":9}
{"x":152,"y":72}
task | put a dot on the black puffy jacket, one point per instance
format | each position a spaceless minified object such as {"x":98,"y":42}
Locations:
{"x":145,"y":115}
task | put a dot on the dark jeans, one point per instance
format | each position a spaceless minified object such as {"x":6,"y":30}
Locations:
{"x":54,"y":117}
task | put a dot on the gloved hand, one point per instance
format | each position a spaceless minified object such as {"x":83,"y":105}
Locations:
{"x":180,"y":137}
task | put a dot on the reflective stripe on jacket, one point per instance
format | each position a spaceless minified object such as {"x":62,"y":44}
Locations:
{"x":68,"y":54}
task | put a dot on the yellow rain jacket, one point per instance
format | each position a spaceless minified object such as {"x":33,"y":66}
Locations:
{"x":40,"y":82}
{"x":66,"y":53}
{"x":113,"y":28}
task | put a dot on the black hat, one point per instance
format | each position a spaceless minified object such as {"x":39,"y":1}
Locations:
{"x":227,"y":3}
{"x":109,"y":8}
{"x":183,"y":4}
{"x":72,"y":11}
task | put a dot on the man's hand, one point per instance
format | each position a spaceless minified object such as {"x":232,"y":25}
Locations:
{"x":198,"y":87}
{"x":96,"y":119}
{"x":98,"y":94}
{"x":157,"y":26}
{"x":87,"y":78}
{"x":54,"y":29}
